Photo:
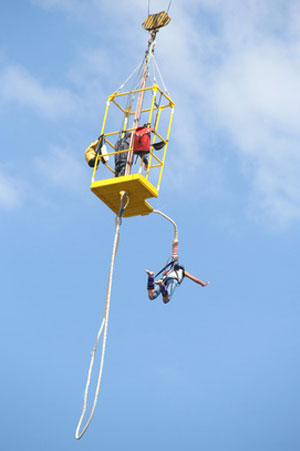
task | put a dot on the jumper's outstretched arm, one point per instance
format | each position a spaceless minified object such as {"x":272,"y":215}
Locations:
{"x":195,"y":279}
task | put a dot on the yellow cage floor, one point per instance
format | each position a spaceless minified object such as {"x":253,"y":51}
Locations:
{"x":136,"y":186}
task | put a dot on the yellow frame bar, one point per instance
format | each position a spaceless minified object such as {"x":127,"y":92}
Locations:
{"x":165,"y":149}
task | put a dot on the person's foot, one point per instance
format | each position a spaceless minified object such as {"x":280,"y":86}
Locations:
{"x":159,"y":282}
{"x":150,"y":273}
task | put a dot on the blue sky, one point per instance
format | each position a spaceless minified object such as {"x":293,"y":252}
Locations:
{"x":218,"y":367}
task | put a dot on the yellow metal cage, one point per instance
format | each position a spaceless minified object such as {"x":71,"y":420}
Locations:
{"x":140,"y":184}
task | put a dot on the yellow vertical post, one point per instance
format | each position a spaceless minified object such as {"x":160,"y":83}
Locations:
{"x":127,"y":114}
{"x":102,"y":130}
{"x":155,"y":129}
{"x":152,"y":104}
{"x":165,"y":149}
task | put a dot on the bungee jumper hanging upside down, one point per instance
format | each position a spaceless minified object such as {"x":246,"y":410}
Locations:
{"x":169,"y":282}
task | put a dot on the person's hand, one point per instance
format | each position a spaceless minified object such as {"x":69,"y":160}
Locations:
{"x":206,"y":283}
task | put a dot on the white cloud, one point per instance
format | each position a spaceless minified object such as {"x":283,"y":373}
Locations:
{"x":62,"y":169}
{"x":259,"y":86}
{"x":255,"y":97}
{"x":70,"y":6}
{"x":57,"y":168}
{"x":10,"y":191}
{"x":20,"y":87}
{"x":242,"y":78}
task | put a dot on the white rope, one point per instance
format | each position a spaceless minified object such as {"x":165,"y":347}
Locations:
{"x":169,"y":219}
{"x":103,"y":328}
{"x":131,"y":75}
{"x":175,"y":240}
{"x":160,"y":76}
{"x":153,"y":70}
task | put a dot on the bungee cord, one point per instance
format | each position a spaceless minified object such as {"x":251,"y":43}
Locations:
{"x":175,"y":239}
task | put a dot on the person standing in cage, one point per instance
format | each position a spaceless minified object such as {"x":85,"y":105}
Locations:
{"x":169,"y":282}
{"x":121,"y":157}
{"x":140,"y":150}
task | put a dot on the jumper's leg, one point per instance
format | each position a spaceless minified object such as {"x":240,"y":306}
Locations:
{"x":164,"y":291}
{"x":150,"y":284}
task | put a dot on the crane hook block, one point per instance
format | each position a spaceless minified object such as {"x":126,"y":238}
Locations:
{"x":155,"y":21}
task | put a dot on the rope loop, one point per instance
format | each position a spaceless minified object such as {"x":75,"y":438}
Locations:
{"x":123,"y":204}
